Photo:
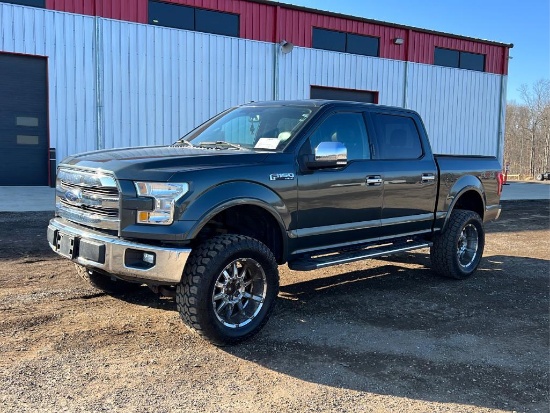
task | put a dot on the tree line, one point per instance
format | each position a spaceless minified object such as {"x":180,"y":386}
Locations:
{"x":527,"y":139}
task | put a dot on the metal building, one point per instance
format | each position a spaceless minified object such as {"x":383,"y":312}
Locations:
{"x":80,"y":75}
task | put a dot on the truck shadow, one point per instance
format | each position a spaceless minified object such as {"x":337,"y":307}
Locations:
{"x":518,"y":216}
{"x":396,"y":328}
{"x":405,"y":332}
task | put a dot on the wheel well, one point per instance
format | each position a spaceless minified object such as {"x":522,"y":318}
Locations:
{"x":248,"y":220}
{"x":471,"y":201}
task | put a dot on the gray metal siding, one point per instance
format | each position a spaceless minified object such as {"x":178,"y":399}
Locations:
{"x":460,"y":108}
{"x":156,"y":83}
{"x":159,"y":83}
{"x":305,"y":67}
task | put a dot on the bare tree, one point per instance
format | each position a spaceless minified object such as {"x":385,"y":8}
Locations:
{"x":527,"y":143}
{"x":537,"y":101}
{"x":517,"y":120}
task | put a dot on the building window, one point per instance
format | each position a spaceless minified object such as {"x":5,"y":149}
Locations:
{"x":191,"y":18}
{"x":472,"y":61}
{"x":209,"y":21}
{"x":345,"y":42}
{"x":461,"y":60}
{"x":32,"y":3}
{"x":171,"y":15}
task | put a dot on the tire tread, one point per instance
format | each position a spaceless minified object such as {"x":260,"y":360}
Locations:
{"x":443,"y":250}
{"x":188,"y":291}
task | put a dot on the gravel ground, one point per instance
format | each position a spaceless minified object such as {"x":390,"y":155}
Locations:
{"x":382,"y":336}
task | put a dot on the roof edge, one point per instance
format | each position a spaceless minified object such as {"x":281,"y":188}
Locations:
{"x":379,"y":22}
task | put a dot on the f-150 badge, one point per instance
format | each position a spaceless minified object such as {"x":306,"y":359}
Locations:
{"x":281,"y":177}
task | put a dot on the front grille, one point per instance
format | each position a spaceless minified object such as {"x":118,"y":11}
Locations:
{"x":88,"y":197}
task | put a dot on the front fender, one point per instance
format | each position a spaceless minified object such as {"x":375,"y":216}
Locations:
{"x":232,"y":194}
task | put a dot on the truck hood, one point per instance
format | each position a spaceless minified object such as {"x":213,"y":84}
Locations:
{"x":160,"y":163}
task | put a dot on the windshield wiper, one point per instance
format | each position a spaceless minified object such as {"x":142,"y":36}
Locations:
{"x":220,"y":144}
{"x":183,"y":142}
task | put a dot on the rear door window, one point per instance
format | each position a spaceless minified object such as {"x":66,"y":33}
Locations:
{"x":396,"y":137}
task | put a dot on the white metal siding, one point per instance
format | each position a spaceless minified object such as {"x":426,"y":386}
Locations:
{"x":460,"y":108}
{"x":67,"y":41}
{"x":157,"y":83}
{"x":305,"y":67}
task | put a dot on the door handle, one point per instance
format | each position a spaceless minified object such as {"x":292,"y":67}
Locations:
{"x":375,"y":180}
{"x":428,"y":178}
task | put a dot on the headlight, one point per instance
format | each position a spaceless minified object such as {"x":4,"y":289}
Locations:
{"x":164,"y":195}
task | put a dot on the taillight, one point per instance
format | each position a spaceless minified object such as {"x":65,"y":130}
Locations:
{"x":500,"y":181}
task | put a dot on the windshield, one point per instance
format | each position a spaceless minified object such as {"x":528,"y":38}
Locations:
{"x":261,"y":128}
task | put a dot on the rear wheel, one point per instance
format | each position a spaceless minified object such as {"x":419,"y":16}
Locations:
{"x":457,"y":251}
{"x":540,"y":177}
{"x":105,"y":282}
{"x":228,"y":289}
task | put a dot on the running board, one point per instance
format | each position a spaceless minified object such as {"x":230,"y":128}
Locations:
{"x":309,"y":263}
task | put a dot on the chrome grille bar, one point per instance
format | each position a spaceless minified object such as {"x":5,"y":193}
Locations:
{"x":88,"y":197}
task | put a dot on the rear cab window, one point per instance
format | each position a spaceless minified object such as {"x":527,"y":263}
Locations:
{"x":396,"y":137}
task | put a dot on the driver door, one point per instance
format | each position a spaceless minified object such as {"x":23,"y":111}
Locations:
{"x":340,"y":206}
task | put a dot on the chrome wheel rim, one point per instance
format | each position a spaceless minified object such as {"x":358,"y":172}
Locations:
{"x":239,"y":292}
{"x":468,"y":244}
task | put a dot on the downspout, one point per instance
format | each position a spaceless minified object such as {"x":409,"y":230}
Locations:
{"x":98,"y":37}
{"x":406,"y":84}
{"x":276,"y":48}
{"x":501,"y":119}
{"x":276,"y":71}
{"x":502,"y":105}
{"x":406,"y":75}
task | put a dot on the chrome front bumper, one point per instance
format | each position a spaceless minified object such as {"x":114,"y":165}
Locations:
{"x":116,"y":256}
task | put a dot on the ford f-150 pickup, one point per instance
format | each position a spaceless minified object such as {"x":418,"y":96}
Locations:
{"x":308,"y":183}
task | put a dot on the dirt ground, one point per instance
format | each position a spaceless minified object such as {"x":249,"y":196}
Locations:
{"x":382,"y":335}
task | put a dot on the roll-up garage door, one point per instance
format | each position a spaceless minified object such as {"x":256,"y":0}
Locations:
{"x":23,"y":120}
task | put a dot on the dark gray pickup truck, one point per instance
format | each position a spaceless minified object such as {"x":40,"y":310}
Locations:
{"x":308,"y":183}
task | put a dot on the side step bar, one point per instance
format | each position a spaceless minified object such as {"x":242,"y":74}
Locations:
{"x":309,"y":263}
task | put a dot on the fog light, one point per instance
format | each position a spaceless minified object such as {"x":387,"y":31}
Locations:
{"x":149,"y":258}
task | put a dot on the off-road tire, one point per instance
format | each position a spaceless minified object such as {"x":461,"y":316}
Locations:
{"x":446,"y":249}
{"x":540,"y":177}
{"x":105,"y":283}
{"x":195,"y":294}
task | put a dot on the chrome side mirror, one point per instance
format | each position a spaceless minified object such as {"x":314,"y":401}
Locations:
{"x":329,"y":155}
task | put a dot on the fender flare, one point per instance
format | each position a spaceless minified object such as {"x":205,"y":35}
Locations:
{"x":236,"y":193}
{"x":463,"y":185}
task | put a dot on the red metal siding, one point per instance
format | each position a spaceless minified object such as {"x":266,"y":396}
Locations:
{"x":424,"y":44}
{"x":297,"y":27}
{"x":270,"y":23}
{"x":130,"y":10}
{"x":256,"y":20}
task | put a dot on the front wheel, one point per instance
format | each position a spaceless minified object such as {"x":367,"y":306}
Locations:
{"x":457,"y":251}
{"x":228,"y":288}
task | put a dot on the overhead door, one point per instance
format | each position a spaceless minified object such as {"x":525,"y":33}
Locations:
{"x":331,"y":93}
{"x":23,"y":120}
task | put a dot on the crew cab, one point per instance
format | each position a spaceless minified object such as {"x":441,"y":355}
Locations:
{"x":306,"y":183}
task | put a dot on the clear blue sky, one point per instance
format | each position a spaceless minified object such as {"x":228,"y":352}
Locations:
{"x":525,"y":23}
